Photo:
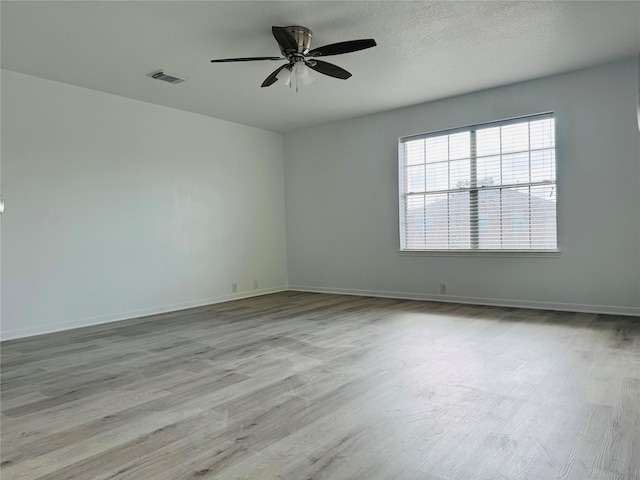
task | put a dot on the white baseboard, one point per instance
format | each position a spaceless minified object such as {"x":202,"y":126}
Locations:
{"x":86,"y":322}
{"x":143,"y":312}
{"x":493,"y":302}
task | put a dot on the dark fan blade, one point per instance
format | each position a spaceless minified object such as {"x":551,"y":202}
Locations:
{"x":342,"y":47}
{"x":284,"y":39}
{"x":328,"y":69}
{"x":247,"y":59}
{"x":273,"y":78}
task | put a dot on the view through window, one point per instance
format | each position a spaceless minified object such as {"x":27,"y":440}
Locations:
{"x":485,"y":187}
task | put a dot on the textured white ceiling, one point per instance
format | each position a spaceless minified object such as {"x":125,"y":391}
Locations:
{"x":426,"y":50}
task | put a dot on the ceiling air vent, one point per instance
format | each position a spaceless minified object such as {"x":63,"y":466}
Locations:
{"x":160,"y":75}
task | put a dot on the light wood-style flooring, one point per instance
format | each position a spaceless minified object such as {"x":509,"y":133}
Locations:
{"x":301,"y":386}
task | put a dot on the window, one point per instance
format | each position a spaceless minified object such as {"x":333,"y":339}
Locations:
{"x":485,"y":187}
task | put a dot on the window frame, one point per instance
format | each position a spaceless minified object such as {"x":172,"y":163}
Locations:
{"x":479,"y":252}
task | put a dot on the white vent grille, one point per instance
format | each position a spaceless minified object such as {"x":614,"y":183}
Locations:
{"x":160,"y":75}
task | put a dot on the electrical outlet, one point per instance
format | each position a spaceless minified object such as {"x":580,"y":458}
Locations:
{"x":255,"y":284}
{"x":234,"y":287}
{"x":443,"y":288}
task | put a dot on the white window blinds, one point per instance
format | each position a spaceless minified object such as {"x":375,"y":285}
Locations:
{"x":486,"y":187}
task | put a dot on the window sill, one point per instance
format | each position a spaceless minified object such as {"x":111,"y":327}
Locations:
{"x":481,"y":253}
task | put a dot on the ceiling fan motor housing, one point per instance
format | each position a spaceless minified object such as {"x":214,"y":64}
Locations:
{"x":302,"y":36}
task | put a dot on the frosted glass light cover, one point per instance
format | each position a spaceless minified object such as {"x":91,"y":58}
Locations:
{"x":303,"y":74}
{"x":284,"y":76}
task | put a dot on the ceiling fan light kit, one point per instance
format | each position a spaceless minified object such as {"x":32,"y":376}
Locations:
{"x":295,"y":47}
{"x":296,"y":76}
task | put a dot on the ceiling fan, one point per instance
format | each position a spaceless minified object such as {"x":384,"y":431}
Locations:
{"x":295,"y":43}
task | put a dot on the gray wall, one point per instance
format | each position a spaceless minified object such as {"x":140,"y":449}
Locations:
{"x":117,"y":208}
{"x":342,"y":207}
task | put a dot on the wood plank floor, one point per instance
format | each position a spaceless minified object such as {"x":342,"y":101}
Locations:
{"x":314,"y":386}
